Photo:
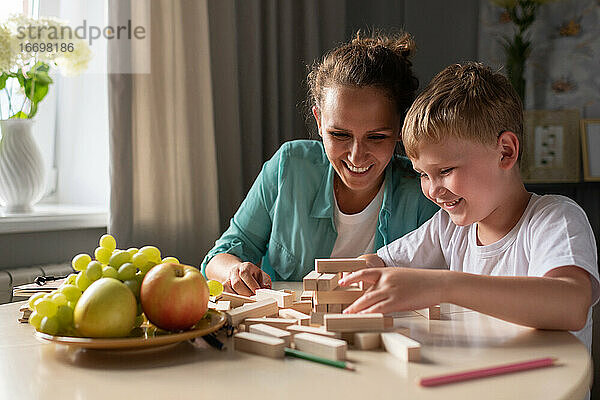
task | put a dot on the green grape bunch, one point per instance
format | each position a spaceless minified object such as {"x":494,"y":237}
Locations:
{"x":52,"y":313}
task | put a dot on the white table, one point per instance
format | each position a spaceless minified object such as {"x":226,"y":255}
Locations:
{"x":30,"y":369}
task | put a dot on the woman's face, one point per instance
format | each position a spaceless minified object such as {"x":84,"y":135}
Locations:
{"x":360,"y":128}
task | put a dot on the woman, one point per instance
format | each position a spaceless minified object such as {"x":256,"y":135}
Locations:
{"x":342,"y":197}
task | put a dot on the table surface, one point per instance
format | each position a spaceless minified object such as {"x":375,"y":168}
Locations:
{"x":462,"y":339}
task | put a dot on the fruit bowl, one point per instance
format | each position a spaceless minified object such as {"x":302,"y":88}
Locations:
{"x":146,"y":336}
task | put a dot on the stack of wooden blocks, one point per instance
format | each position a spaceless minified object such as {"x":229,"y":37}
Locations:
{"x":272,"y":320}
{"x":321,"y":285}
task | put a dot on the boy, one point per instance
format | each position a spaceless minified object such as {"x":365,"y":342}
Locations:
{"x":500,"y":250}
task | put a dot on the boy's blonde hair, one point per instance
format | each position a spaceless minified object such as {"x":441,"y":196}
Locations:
{"x":467,"y":101}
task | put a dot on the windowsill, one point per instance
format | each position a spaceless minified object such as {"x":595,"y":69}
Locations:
{"x":54,"y":217}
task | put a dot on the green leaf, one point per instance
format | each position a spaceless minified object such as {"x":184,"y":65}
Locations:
{"x":35,"y":85}
{"x":40,"y":73}
{"x":20,"y":77}
{"x":19,"y":115}
{"x":3,"y":78}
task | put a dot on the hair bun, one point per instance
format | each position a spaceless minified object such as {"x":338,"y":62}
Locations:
{"x":402,"y":44}
{"x":372,"y":59}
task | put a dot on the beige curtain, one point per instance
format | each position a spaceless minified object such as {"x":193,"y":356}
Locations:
{"x":225,"y":90}
{"x":260,"y":50}
{"x":163,"y":163}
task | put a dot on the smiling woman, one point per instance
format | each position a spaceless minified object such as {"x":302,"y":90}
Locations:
{"x":341,"y":197}
{"x":359,"y":128}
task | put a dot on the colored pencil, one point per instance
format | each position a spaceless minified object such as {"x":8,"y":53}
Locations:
{"x":321,"y":360}
{"x":489,"y":371}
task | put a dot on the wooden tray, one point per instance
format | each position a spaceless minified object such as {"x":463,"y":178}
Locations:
{"x":144,"y":337}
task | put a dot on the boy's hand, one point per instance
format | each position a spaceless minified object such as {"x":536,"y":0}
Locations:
{"x":395,"y":289}
{"x":373,"y":261}
{"x":245,"y":278}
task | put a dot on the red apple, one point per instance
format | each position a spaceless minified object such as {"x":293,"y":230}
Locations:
{"x":174,"y":296}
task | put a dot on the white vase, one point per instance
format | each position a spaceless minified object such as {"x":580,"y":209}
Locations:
{"x":22,"y":172}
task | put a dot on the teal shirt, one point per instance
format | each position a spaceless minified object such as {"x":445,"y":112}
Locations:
{"x":287,"y":218}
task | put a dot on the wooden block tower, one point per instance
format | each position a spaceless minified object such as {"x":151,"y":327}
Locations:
{"x":322,"y":286}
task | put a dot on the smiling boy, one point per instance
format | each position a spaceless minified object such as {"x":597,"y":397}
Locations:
{"x":493,"y":247}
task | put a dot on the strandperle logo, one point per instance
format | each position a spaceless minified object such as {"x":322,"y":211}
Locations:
{"x":83,"y":31}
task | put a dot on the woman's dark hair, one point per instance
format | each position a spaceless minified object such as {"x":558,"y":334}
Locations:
{"x":379,"y":61}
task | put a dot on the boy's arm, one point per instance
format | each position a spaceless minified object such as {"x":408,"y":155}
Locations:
{"x":558,"y":300}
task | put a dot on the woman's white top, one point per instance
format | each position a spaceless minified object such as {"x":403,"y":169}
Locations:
{"x":356,"y":232}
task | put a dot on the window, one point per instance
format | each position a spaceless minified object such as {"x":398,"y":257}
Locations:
{"x":71,"y":125}
{"x":72,"y":122}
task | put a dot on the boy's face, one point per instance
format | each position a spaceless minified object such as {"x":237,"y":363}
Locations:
{"x":463,"y":177}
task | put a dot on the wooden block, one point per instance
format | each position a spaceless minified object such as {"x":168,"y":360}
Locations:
{"x":405,"y":314}
{"x":340,"y":295}
{"x":293,"y":329}
{"x":347,"y":336}
{"x":267,"y":330}
{"x":255,"y":310}
{"x":290,"y":291}
{"x":320,"y":308}
{"x":220,"y":306}
{"x":334,"y":265}
{"x":267,"y":346}
{"x":302,"y":306}
{"x":309,"y":282}
{"x":357,"y":322}
{"x":280,"y":323}
{"x":284,"y":300}
{"x":322,"y":346}
{"x":316,"y":318}
{"x":306,"y":295}
{"x":223,"y":305}
{"x":432,"y":313}
{"x":236,"y":300}
{"x":400,"y":346}
{"x":327,"y":282}
{"x":403,"y":330}
{"x":303,"y":319}
{"x":367,"y":340}
{"x":334,"y":308}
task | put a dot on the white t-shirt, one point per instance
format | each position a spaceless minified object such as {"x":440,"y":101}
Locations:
{"x":356,"y":232}
{"x":552,"y":232}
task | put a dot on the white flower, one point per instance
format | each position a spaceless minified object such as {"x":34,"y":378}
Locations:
{"x":7,"y":56}
{"x":75,"y":62}
{"x":16,"y":25}
{"x":49,"y":40}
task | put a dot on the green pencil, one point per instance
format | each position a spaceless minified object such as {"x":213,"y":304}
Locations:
{"x":326,"y":361}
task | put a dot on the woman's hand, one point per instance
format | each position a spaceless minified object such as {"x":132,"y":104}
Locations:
{"x":395,"y":289}
{"x":244,"y":278}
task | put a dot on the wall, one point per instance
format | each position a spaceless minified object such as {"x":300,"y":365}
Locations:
{"x":33,"y":248}
{"x":562,"y":68}
{"x":445,"y":31}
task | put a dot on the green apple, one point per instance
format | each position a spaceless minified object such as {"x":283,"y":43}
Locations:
{"x":106,"y":309}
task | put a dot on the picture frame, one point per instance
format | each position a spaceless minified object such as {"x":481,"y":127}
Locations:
{"x":551,"y":148}
{"x":590,"y":146}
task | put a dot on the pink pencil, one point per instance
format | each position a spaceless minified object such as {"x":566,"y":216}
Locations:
{"x":489,"y":371}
